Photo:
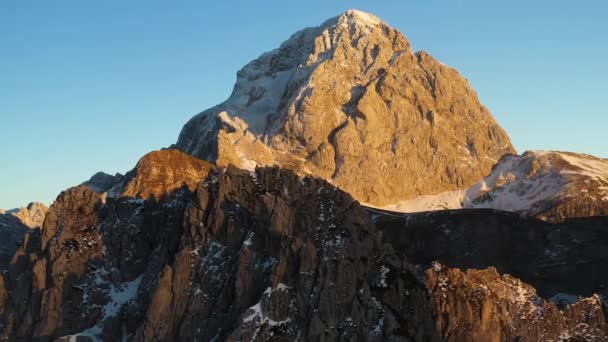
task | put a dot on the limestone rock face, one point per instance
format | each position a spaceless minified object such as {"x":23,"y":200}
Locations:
{"x":31,"y":216}
{"x":266,"y":255}
{"x":351,"y":102}
{"x":86,"y":265}
{"x":552,"y":186}
{"x":158,"y":174}
{"x":482,"y":305}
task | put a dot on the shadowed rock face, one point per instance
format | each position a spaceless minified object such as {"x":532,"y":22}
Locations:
{"x":268,"y":255}
{"x":86,"y":264}
{"x":569,"y":257}
{"x":351,"y":102}
{"x":14,"y":224}
{"x":12,"y":231}
{"x":102,"y":182}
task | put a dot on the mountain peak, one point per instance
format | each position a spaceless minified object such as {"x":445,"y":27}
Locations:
{"x":353,"y":16}
{"x":349,"y":101}
{"x":32,"y":216}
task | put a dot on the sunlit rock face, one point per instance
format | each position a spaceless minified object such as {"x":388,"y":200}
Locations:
{"x":351,"y":102}
{"x":158,"y":174}
{"x":32,"y":216}
{"x":551,"y":186}
{"x":161,"y":173}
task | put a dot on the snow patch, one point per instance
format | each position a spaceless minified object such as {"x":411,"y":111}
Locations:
{"x":520,"y":183}
{"x":249,"y":240}
{"x":384,"y":271}
{"x":119,"y":296}
{"x":259,"y":318}
{"x":356,"y":16}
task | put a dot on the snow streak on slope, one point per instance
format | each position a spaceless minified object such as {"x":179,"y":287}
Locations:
{"x":528,"y":183}
{"x":349,"y":101}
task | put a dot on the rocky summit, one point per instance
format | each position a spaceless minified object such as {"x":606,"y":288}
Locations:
{"x":351,"y":102}
{"x":32,"y":216}
{"x":158,"y":174}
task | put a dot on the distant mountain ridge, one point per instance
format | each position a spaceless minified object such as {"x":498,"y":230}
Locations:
{"x":549,"y":185}
{"x":32,"y":215}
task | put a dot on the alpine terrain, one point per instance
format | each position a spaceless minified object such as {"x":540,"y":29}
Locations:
{"x":351,"y":102}
{"x":350,"y":189}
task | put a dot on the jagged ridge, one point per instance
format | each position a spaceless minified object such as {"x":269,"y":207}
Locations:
{"x":253,"y":256}
{"x":552,"y":186}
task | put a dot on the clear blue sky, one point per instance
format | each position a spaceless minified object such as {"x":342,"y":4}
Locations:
{"x":93,"y":85}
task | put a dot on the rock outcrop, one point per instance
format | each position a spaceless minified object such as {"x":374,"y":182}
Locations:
{"x":158,"y":174}
{"x":551,"y":186}
{"x":102,"y":182}
{"x":351,"y":102}
{"x":268,"y":255}
{"x":31,"y":216}
{"x":481,"y":305}
{"x":14,"y":225}
{"x":161,"y":173}
{"x":12,"y":232}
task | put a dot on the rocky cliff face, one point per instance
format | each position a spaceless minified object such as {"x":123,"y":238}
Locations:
{"x":271,"y":256}
{"x":31,"y":216}
{"x":12,"y":232}
{"x":351,"y":102}
{"x":158,"y":174}
{"x":481,"y":305}
{"x":14,"y":225}
{"x":552,"y":186}
{"x":102,"y":182}
{"x":161,"y":173}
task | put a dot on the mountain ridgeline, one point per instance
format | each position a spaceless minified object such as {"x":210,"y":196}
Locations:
{"x":267,"y":255}
{"x":351,"y":102}
{"x":350,"y":189}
